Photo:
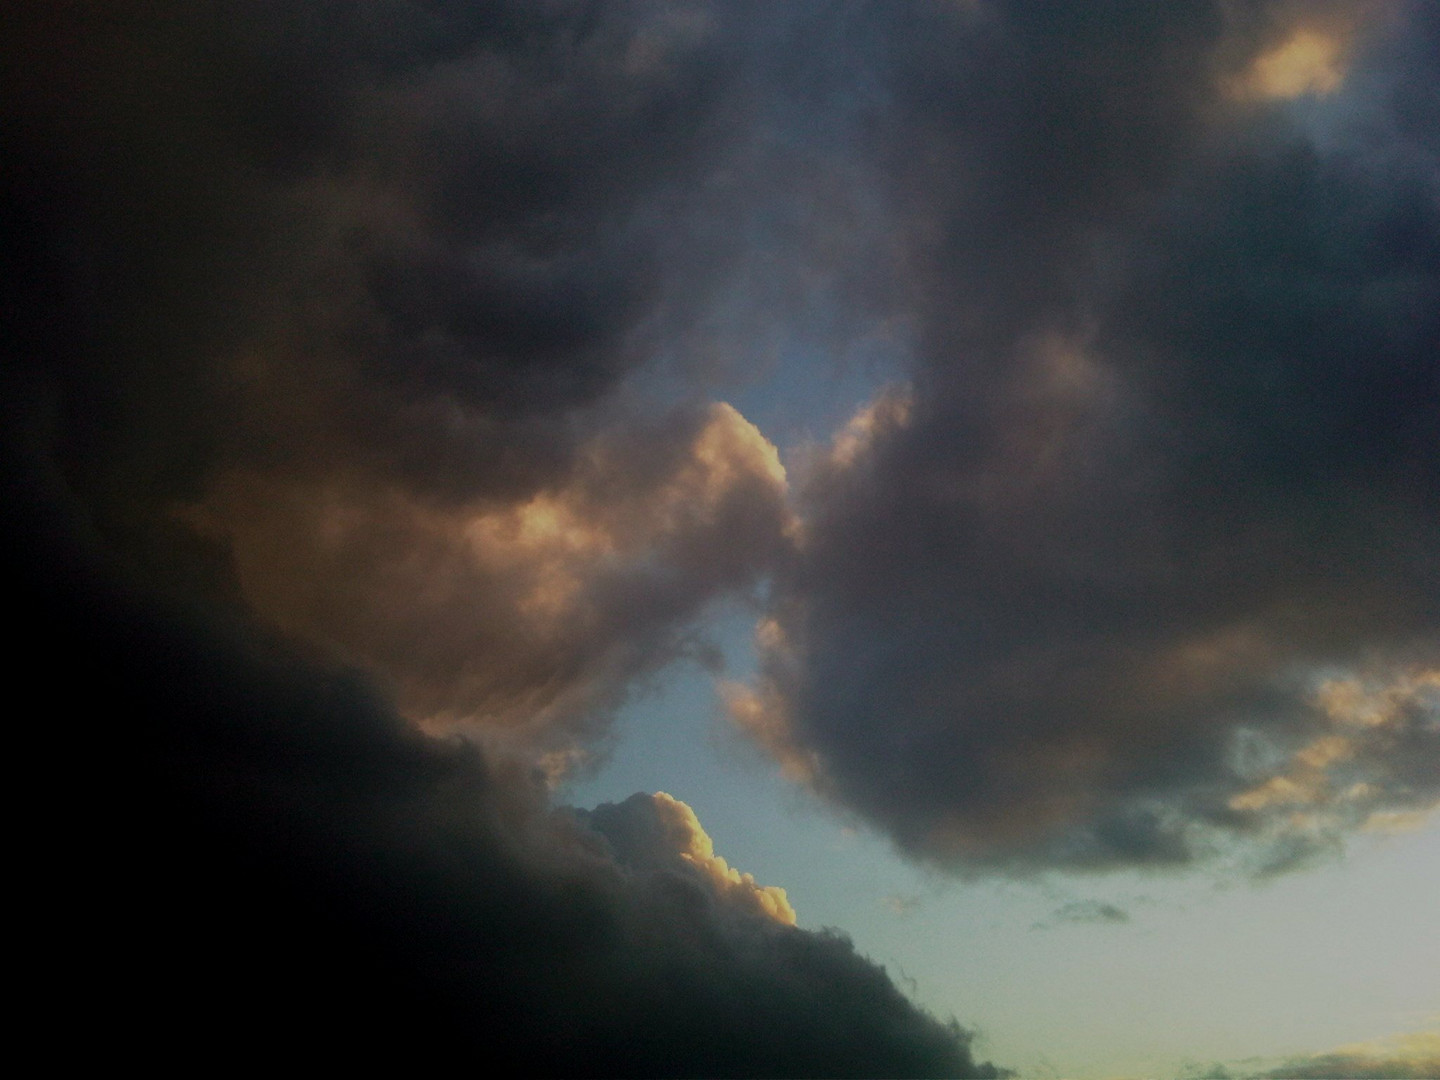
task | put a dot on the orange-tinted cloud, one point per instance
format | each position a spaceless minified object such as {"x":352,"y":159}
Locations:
{"x":527,"y":618}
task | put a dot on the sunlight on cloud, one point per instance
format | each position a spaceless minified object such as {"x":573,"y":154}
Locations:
{"x":661,"y":835}
{"x":1409,"y":1056}
{"x":1308,"y":62}
{"x":764,"y":716}
{"x":504,"y":615}
{"x":890,"y":410}
{"x":1353,"y":776}
{"x":1354,"y":702}
{"x":697,"y":849}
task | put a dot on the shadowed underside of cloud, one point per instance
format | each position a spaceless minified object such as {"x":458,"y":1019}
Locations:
{"x":260,"y":860}
{"x":1145,"y":571}
{"x":315,"y":318}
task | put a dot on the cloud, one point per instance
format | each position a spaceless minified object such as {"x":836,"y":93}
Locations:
{"x":1307,"y":62}
{"x":1085,"y":911}
{"x":525,"y":620}
{"x":660,"y":834}
{"x":336,"y":325}
{"x":288,"y":868}
{"x":1166,"y":476}
{"x":391,"y":330}
{"x":1286,"y":51}
{"x":1405,"y":1057}
{"x":1413,"y":1056}
{"x":322,"y":330}
{"x":902,"y":905}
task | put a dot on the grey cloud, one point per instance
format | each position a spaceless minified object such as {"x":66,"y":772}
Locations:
{"x":1168,"y":475}
{"x":335,"y":316}
{"x":1085,"y":911}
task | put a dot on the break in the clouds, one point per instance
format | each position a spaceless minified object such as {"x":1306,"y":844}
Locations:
{"x":1145,"y":569}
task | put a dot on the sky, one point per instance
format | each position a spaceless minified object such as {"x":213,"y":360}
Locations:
{"x":728,"y":539}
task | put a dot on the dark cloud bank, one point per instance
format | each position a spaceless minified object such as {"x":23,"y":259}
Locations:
{"x":326,"y":335}
{"x":311,"y":314}
{"x":249,"y":859}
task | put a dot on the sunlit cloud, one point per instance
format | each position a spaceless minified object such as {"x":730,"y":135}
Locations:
{"x":1408,"y":1056}
{"x":524,"y":619}
{"x":695,"y":846}
{"x":1308,"y":62}
{"x":889,"y":411}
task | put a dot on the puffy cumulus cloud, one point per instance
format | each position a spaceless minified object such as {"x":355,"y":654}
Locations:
{"x":249,"y":849}
{"x":1160,"y":521}
{"x":524,"y":619}
{"x":659,"y":834}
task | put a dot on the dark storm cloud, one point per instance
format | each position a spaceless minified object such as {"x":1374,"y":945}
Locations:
{"x":1358,"y":1066}
{"x":334,"y":316}
{"x":331,"y":304}
{"x":314,"y":317}
{"x":1165,"y":481}
{"x":335,"y":222}
{"x":250,"y":856}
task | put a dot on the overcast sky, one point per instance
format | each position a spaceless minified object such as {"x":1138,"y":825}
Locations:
{"x":726,"y":538}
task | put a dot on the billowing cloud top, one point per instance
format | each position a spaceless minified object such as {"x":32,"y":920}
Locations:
{"x":659,"y":833}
